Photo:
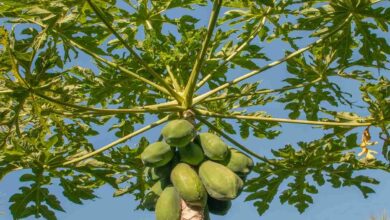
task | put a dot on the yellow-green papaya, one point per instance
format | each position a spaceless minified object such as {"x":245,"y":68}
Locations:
{"x":213,"y":146}
{"x":178,"y":133}
{"x":159,"y":186}
{"x":157,"y":154}
{"x":218,"y":207}
{"x":188,"y":184}
{"x":220,"y":182}
{"x":168,"y":206}
{"x":191,"y":154}
{"x":239,"y":163}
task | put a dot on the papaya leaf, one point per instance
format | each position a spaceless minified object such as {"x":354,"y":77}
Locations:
{"x":326,"y":160}
{"x":35,"y":200}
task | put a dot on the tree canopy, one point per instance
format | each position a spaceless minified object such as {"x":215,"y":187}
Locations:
{"x":150,"y":64}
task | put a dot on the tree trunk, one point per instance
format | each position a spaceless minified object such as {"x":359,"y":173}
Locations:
{"x":190,"y":212}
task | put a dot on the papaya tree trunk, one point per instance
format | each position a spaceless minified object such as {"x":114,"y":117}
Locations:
{"x":191,"y":212}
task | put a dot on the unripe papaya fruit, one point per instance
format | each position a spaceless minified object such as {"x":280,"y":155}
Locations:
{"x":213,"y":146}
{"x":218,"y":207}
{"x":168,"y":206}
{"x":220,"y":182}
{"x":178,"y":133}
{"x":157,"y":154}
{"x":189,"y":185}
{"x":191,"y":154}
{"x":159,"y":186}
{"x":239,"y":163}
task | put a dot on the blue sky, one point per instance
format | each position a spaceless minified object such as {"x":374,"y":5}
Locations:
{"x":329,"y":203}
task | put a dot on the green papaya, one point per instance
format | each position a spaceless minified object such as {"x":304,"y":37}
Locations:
{"x":220,"y":182}
{"x":239,"y":163}
{"x":188,"y":184}
{"x":191,"y":154}
{"x":213,"y":146}
{"x":157,"y":154}
{"x":159,"y":186}
{"x":168,"y":206}
{"x":218,"y":207}
{"x":178,"y":133}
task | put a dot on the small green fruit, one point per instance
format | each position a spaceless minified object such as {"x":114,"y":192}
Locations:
{"x":191,"y":154}
{"x":220,"y":182}
{"x":178,"y":133}
{"x":189,"y":185}
{"x":168,"y":206}
{"x":157,"y":154}
{"x":218,"y":207}
{"x":213,"y":146}
{"x":239,"y":163}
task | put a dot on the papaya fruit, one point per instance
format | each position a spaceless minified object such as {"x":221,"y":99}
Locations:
{"x":159,"y":186}
{"x":191,"y":154}
{"x":220,"y":182}
{"x":157,"y":154}
{"x":239,"y":163}
{"x":188,"y":184}
{"x":213,"y":146}
{"x":178,"y":133}
{"x":218,"y":207}
{"x":168,"y":206}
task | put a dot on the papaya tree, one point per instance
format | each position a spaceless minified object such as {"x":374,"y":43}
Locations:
{"x":193,"y":68}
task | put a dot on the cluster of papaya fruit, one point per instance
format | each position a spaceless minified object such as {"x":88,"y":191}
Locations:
{"x":198,"y":169}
